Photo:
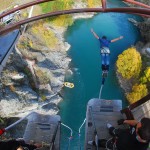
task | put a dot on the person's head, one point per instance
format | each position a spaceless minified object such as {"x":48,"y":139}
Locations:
{"x":104,"y":37}
{"x":20,"y":148}
{"x":143,"y":130}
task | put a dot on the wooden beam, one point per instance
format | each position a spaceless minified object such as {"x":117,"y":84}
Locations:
{"x":103,"y":4}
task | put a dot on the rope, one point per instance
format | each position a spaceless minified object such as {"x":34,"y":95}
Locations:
{"x":100,"y":92}
{"x":71,"y":132}
{"x":69,"y":139}
{"x":113,"y":146}
{"x":80,"y":134}
{"x":107,"y":143}
{"x":102,"y":84}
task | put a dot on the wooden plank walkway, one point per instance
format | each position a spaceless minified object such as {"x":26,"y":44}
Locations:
{"x":42,"y":129}
{"x":102,"y":112}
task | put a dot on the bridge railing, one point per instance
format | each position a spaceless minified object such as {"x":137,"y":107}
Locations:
{"x":137,"y":3}
{"x":14,"y":14}
{"x":141,"y":11}
{"x":129,"y":110}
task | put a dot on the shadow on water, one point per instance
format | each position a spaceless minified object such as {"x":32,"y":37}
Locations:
{"x":86,"y":67}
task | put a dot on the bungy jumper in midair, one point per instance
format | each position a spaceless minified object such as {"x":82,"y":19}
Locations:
{"x":105,"y":52}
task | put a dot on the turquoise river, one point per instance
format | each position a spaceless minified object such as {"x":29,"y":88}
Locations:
{"x":86,"y":67}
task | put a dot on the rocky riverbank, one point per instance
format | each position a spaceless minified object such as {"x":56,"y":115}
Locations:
{"x":143,"y":47}
{"x":34,"y":75}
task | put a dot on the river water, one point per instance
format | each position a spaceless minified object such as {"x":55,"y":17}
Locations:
{"x":86,"y":66}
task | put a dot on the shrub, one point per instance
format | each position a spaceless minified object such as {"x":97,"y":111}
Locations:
{"x":129,"y":63}
{"x":138,"y":92}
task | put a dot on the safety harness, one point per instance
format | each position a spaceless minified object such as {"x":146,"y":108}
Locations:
{"x":105,"y":50}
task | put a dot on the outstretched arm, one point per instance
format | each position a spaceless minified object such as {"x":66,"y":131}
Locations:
{"x":119,"y":38}
{"x":94,"y":33}
{"x":131,"y":122}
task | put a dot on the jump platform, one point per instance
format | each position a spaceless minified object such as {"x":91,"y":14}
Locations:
{"x":99,"y":113}
{"x":44,"y":129}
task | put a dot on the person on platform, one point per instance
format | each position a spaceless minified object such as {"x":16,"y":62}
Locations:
{"x":137,"y":137}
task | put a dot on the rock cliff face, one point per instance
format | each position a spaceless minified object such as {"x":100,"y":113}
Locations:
{"x":143,"y":47}
{"x":144,"y":28}
{"x":34,"y":74}
{"x":33,"y":77}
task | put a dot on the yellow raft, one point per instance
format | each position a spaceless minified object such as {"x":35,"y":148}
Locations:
{"x":69,"y":85}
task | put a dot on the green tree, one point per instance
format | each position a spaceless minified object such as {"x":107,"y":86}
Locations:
{"x":129,"y":63}
{"x":138,"y":92}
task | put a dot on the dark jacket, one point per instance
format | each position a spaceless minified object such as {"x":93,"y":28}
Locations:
{"x":127,"y":141}
{"x":13,"y":145}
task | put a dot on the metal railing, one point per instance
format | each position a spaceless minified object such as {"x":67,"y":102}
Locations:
{"x":127,"y":111}
{"x":9,"y":28}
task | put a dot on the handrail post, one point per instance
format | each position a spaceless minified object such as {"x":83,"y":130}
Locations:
{"x":103,"y":4}
{"x":82,"y":125}
{"x":71,"y":131}
{"x":79,"y":132}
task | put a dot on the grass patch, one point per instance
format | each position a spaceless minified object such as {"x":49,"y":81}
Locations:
{"x":56,"y":5}
{"x":63,"y":20}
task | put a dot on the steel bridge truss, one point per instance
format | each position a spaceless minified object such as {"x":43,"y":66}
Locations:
{"x":132,"y":10}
